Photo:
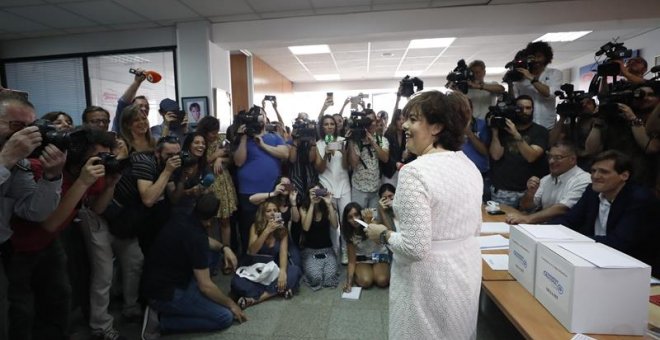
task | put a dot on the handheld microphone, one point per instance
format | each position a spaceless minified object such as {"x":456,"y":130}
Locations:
{"x":208,"y":180}
{"x":152,"y":76}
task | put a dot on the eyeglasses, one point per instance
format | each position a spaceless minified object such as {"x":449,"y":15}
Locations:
{"x":14,"y":125}
{"x":99,"y":121}
{"x":168,"y":139}
{"x":557,"y":157}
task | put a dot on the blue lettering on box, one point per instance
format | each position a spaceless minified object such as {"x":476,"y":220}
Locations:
{"x":555,"y":283}
{"x":520,"y":257}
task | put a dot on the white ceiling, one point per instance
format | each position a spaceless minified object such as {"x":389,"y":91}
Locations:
{"x":352,"y":58}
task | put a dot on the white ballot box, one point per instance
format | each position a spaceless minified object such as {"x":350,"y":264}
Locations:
{"x":523,"y":239}
{"x":592,"y":288}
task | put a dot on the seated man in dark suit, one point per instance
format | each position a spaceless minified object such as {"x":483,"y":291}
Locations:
{"x":615,"y":212}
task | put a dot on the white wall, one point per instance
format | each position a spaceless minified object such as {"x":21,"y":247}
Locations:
{"x":193,"y":59}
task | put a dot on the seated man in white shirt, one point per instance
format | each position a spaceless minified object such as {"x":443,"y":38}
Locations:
{"x":555,"y":193}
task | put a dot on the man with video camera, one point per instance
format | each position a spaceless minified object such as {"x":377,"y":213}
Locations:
{"x":258,"y":156}
{"x":40,"y":292}
{"x":363,"y":156}
{"x":575,"y":126}
{"x":482,"y":94}
{"x":621,"y":125}
{"x":175,"y":121}
{"x":517,"y":148}
{"x":20,"y":195}
{"x":539,"y":82}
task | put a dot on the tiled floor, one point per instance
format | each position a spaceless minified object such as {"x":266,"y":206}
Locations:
{"x":325,"y":315}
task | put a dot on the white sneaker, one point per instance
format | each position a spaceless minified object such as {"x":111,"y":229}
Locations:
{"x":150,"y":325}
{"x":344,"y":256}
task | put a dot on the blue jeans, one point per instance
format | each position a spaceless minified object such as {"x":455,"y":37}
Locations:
{"x":189,"y":310}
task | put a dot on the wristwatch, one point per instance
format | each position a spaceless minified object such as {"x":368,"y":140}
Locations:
{"x":383,"y":237}
{"x":534,"y":80}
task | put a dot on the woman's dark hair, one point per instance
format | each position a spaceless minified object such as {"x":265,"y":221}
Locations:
{"x":391,"y":129}
{"x":347,"y":230}
{"x":451,"y":111}
{"x":282,"y":201}
{"x":322,"y":120}
{"x":386,"y":187}
{"x":52,"y":116}
{"x":87,"y":138}
{"x":187,"y":143}
{"x":540,"y":47}
{"x":323,"y":208}
{"x":207,"y":124}
{"x":91,"y":109}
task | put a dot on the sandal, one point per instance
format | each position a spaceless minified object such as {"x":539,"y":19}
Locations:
{"x":288,"y":294}
{"x":245,"y":302}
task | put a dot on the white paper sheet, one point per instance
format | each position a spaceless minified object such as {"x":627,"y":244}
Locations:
{"x":353,"y":295}
{"x":654,"y":281}
{"x":546,"y":231}
{"x":493,"y":241}
{"x":497,"y":261}
{"x":602,"y":256}
{"x":494,"y":228}
{"x":580,"y":336}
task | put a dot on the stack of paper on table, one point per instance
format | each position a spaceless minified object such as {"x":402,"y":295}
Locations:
{"x":497,"y":261}
{"x":494,"y":228}
{"x":493,"y":242}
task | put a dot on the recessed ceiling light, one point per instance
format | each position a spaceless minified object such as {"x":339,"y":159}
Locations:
{"x":431,"y":43}
{"x":325,"y":77}
{"x":563,"y":36}
{"x":495,"y":70}
{"x":309,"y":49}
{"x":401,"y":74}
{"x":386,"y":54}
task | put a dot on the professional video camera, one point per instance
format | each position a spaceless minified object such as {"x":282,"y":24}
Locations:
{"x":357,"y":124}
{"x":613,"y":51}
{"x":505,"y":108}
{"x":571,"y":106}
{"x":408,"y":86}
{"x":304,"y":130}
{"x":252,"y":120}
{"x":50,"y":135}
{"x":460,"y":76}
{"x":608,"y":109}
{"x":522,"y":60}
{"x":111,"y":163}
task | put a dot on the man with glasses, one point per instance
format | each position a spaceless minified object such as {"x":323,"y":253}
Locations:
{"x":517,"y":152}
{"x":554,"y":194}
{"x":20,"y":195}
{"x":96,"y":117}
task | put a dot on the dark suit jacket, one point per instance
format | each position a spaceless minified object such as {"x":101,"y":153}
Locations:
{"x":632,"y":224}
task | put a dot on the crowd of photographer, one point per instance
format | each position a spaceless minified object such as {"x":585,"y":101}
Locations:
{"x":288,"y":202}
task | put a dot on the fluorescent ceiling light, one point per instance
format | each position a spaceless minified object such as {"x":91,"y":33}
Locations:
{"x":401,"y":74}
{"x":309,"y":49}
{"x":495,"y":70}
{"x":325,"y":77}
{"x":430,"y":43}
{"x":563,"y":36}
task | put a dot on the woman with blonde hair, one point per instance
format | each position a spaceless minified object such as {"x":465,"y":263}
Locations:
{"x":268,"y":242}
{"x":135,"y":130}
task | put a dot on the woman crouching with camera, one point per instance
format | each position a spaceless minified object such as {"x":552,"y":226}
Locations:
{"x":368,"y":262}
{"x":268,"y":242}
{"x":318,"y":258}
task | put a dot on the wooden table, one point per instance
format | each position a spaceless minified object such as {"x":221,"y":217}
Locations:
{"x":488,"y":274}
{"x":534,"y":321}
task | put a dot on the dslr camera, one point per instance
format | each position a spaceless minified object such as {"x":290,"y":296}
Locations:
{"x":498,"y":113}
{"x":571,"y":106}
{"x":111,"y":163}
{"x":187,"y":159}
{"x":50,"y":135}
{"x":251,"y":119}
{"x":523,"y":59}
{"x":358,"y":122}
{"x":460,"y":76}
{"x":408,"y":86}
{"x":304,"y":129}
